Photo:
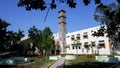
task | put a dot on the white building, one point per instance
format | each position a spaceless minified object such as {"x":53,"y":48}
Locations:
{"x":83,"y":42}
{"x":79,"y":42}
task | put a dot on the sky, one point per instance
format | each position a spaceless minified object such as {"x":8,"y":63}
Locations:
{"x":77,"y":19}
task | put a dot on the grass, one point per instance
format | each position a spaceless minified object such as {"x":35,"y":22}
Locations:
{"x":39,"y":62}
{"x":82,"y":61}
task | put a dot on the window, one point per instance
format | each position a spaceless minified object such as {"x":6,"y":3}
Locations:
{"x":93,"y":43}
{"x":78,"y":36}
{"x":91,"y":30}
{"x":85,"y":36}
{"x":73,"y":47}
{"x":68,"y":36}
{"x":85,"y":33}
{"x":85,"y":43}
{"x":102,"y":45}
{"x":79,"y":47}
{"x":101,"y":41}
{"x":72,"y":37}
{"x":76,"y":47}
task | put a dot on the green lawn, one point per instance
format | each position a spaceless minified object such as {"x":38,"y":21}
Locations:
{"x":82,"y":61}
{"x":83,"y":58}
{"x":39,"y":62}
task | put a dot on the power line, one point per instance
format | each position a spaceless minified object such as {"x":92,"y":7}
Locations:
{"x":46,"y":14}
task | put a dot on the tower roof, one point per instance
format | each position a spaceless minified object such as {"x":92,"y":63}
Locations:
{"x":62,"y":11}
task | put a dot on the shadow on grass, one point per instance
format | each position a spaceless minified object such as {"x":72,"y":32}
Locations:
{"x":91,"y":65}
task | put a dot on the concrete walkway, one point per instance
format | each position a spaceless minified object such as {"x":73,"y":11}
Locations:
{"x":58,"y":63}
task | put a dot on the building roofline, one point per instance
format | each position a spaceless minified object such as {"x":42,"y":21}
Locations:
{"x":86,"y":29}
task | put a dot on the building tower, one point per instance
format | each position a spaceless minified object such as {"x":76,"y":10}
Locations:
{"x":62,"y":30}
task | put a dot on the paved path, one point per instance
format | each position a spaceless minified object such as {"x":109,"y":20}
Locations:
{"x":58,"y":63}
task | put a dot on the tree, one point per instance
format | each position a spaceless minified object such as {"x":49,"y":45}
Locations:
{"x":8,"y":38}
{"x":34,"y":35}
{"x":109,"y":16}
{"x":3,"y":34}
{"x":14,"y":40}
{"x":47,"y":40}
{"x":41,"y":39}
{"x":43,"y":5}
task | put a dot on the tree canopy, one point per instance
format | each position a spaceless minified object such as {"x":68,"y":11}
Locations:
{"x":8,"y":38}
{"x":47,"y":39}
{"x":109,"y":15}
{"x":106,"y":14}
{"x":43,"y":5}
{"x":3,"y":33}
{"x":42,"y":39}
{"x":11,"y":41}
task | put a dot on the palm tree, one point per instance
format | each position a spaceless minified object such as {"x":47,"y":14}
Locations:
{"x":3,"y":34}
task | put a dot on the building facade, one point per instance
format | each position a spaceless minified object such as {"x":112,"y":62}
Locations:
{"x":83,"y":42}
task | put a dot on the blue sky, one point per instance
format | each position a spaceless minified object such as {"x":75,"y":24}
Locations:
{"x":77,"y":19}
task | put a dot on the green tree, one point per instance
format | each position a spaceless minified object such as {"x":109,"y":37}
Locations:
{"x":109,"y":16}
{"x":34,"y":35}
{"x":41,"y":39}
{"x":43,"y":5}
{"x":8,"y":38}
{"x":47,"y":40}
{"x":3,"y":34}
{"x":15,"y":39}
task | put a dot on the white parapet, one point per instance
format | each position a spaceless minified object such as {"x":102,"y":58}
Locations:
{"x":117,"y":57}
{"x":70,"y":57}
{"x":106,"y":59}
{"x":54,"y":57}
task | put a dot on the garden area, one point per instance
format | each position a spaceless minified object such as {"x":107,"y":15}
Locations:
{"x":16,"y":60}
{"x":82,"y":61}
{"x":43,"y":62}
